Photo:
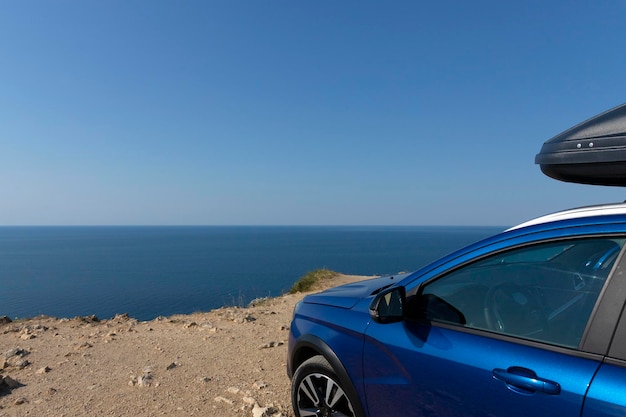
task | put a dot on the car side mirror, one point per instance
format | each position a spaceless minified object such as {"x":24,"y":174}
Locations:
{"x":389,"y":305}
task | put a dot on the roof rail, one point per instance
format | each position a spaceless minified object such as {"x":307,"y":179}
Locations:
{"x":575,"y":213}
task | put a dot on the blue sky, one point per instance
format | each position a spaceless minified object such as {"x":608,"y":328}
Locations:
{"x":297,"y":112}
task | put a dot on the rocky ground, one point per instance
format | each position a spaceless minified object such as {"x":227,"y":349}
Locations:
{"x":227,"y":362}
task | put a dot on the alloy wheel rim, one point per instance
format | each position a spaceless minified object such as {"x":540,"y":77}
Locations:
{"x":320,"y":396}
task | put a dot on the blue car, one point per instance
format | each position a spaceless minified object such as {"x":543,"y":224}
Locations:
{"x":530,"y":322}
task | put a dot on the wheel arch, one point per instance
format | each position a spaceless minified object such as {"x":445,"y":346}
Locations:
{"x":309,"y":346}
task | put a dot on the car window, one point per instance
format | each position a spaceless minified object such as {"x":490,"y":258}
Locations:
{"x":545,"y":292}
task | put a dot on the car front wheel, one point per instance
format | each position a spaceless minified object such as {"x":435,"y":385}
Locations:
{"x":316,"y":391}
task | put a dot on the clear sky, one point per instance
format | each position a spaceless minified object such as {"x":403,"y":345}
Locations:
{"x":326,"y":112}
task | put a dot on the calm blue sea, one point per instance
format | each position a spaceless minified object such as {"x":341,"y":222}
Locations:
{"x":159,"y":271}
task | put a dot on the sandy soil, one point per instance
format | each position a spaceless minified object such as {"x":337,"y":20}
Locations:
{"x":226,"y":362}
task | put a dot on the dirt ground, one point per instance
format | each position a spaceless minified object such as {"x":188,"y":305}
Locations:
{"x":226,"y":362}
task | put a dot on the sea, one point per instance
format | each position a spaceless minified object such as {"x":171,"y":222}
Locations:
{"x":148,"y":271}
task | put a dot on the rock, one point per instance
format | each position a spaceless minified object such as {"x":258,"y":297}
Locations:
{"x":258,"y":302}
{"x":249,"y":401}
{"x":271,"y":345}
{"x":43,"y":370}
{"x":20,"y":401}
{"x":258,"y":411}
{"x":238,"y":316}
{"x":244,"y":319}
{"x":145,"y":380}
{"x":121,"y":317}
{"x":233,"y":390}
{"x":221,"y":399}
{"x":5,"y":320}
{"x":171,"y":366}
{"x":207,"y":325}
{"x":259,"y":385}
{"x":16,"y":360}
{"x":87,"y":319}
{"x":10,"y":382}
{"x":15,"y":352}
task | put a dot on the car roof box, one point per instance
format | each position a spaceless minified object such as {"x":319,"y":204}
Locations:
{"x":592,"y":152}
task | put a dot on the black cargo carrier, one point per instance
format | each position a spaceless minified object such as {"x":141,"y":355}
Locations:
{"x":593,"y":152}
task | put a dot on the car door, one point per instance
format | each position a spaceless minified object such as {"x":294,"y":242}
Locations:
{"x":500,"y":336}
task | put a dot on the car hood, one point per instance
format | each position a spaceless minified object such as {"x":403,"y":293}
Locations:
{"x":346,"y":296}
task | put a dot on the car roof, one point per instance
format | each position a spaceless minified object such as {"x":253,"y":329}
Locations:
{"x":576,"y":213}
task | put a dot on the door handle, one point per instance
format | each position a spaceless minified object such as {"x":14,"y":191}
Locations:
{"x":525,"y":381}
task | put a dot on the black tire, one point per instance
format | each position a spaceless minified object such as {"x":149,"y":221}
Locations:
{"x":317,"y":391}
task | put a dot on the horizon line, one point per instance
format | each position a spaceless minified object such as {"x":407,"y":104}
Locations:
{"x":254,"y":225}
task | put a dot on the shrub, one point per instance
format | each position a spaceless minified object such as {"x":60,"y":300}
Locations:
{"x":311,"y":280}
